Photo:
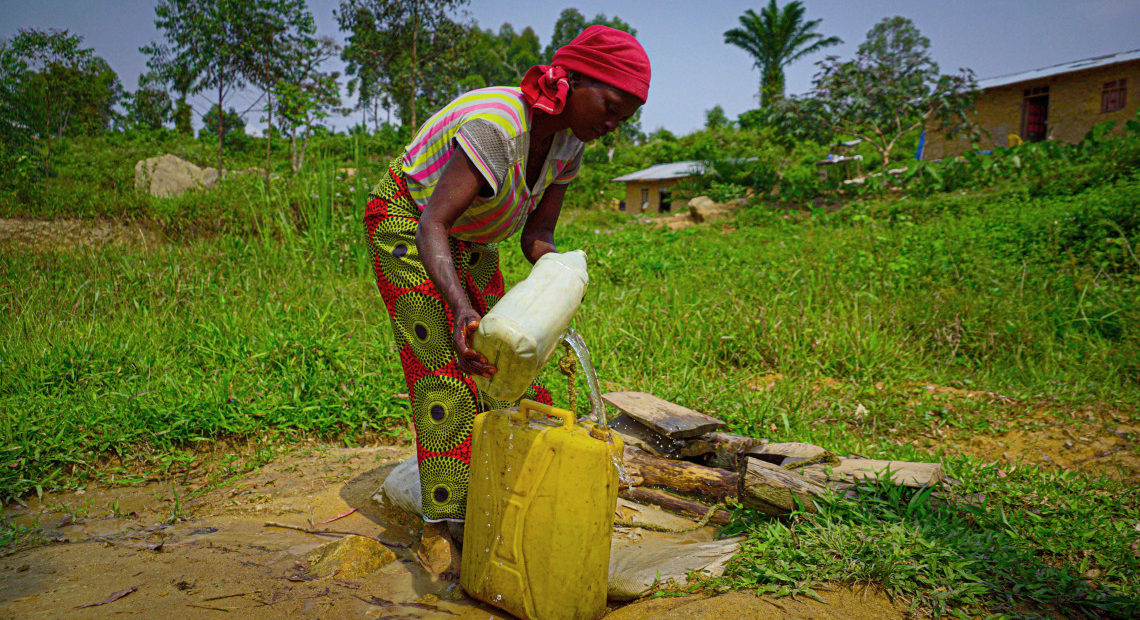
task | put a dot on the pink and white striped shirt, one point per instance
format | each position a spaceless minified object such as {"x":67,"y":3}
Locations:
{"x":492,"y":126}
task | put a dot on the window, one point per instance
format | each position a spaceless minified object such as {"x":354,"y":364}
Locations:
{"x":644,"y":199}
{"x":1113,"y":95}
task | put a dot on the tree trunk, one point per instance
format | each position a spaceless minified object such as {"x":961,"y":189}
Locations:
{"x":221,"y":122}
{"x":672,"y":503}
{"x":773,"y":490}
{"x":293,"y":151}
{"x":681,"y":476}
{"x":268,"y":138}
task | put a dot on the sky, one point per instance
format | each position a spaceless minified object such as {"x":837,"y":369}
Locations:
{"x":693,"y":68}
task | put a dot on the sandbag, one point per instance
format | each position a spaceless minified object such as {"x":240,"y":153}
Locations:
{"x":402,"y":487}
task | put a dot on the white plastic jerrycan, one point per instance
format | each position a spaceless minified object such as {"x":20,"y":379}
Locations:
{"x":519,"y":334}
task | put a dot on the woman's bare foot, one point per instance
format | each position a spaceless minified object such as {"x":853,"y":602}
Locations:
{"x":437,"y":552}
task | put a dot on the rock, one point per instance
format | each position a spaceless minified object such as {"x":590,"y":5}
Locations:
{"x":703,"y":209}
{"x":352,"y":557}
{"x":169,"y":175}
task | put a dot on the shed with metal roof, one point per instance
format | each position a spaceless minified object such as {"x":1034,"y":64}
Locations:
{"x":651,"y":190}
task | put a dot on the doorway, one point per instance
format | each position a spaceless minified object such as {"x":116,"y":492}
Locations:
{"x":1035,"y":114}
{"x":666,"y":201}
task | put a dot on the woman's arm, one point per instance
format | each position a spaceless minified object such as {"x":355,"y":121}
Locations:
{"x":538,"y":234}
{"x":453,"y":195}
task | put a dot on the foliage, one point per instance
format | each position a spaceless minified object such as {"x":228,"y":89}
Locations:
{"x":571,"y":23}
{"x":233,"y":126}
{"x":715,"y":118}
{"x":148,"y":107}
{"x":307,"y":94}
{"x":502,"y":58}
{"x":775,"y":38}
{"x":890,"y":89}
{"x":403,"y":52}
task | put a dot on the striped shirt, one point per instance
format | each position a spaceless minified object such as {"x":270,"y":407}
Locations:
{"x":492,"y":126}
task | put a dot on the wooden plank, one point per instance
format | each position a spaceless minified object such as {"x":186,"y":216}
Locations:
{"x":667,"y":418}
{"x":729,"y":449}
{"x":790,"y":452}
{"x":638,"y":435}
{"x":902,"y":473}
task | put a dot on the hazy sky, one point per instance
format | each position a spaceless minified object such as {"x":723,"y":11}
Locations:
{"x":693,"y":69}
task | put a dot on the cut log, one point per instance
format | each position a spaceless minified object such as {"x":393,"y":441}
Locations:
{"x":773,"y":490}
{"x":729,"y":448}
{"x":663,"y":416}
{"x":634,"y":433}
{"x":902,"y":473}
{"x":672,"y":503}
{"x":681,"y":476}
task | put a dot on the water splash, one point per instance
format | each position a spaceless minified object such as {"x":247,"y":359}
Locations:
{"x":597,"y":408}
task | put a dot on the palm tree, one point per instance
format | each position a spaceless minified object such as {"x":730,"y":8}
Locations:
{"x":776,"y":38}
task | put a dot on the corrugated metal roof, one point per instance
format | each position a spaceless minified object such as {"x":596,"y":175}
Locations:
{"x":1078,"y":65}
{"x":675,"y":170}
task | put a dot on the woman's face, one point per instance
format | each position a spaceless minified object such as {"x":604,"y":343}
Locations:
{"x":595,"y":109}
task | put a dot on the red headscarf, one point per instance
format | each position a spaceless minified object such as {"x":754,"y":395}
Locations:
{"x":603,"y":53}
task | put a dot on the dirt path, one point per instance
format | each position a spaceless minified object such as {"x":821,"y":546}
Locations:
{"x":204,"y":554}
{"x":34,"y":235}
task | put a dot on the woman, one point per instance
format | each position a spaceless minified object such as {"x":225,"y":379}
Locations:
{"x":492,"y":162}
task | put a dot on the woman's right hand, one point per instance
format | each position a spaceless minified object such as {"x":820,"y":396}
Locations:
{"x":469,"y":360}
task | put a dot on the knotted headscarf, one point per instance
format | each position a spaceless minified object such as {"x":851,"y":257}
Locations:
{"x":603,"y":53}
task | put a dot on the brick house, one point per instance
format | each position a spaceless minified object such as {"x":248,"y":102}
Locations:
{"x":650,"y":190}
{"x":1061,"y":102}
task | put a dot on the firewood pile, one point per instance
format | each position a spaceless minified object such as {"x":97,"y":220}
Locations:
{"x":682,"y":461}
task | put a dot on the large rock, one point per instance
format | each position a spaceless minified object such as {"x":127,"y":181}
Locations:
{"x":169,"y":175}
{"x":703,"y":209}
{"x":352,"y":557}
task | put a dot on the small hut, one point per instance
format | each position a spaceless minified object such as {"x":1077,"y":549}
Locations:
{"x":650,"y":190}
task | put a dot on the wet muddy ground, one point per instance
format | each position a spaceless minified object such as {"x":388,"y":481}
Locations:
{"x":186,"y":553}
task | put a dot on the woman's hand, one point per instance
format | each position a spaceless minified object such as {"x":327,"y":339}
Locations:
{"x":469,"y":360}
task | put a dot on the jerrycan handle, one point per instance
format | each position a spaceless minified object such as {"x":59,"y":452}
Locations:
{"x":529,"y":407}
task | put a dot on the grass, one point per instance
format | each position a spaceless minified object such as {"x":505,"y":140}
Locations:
{"x":269,"y":325}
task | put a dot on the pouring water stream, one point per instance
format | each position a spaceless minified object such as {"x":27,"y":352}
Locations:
{"x":597,"y":408}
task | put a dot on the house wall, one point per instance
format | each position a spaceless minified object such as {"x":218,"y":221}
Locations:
{"x":1074,"y":107}
{"x":633,"y":196}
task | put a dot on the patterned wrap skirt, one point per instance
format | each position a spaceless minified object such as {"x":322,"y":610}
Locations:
{"x":444,"y":400}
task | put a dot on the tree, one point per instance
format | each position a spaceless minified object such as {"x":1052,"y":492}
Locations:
{"x":149,"y":106}
{"x":231,"y":126}
{"x":404,"y":50}
{"x":50,"y":86}
{"x":775,"y":39}
{"x":276,"y":36}
{"x":571,"y":23}
{"x":307,"y":94}
{"x":890,"y":89}
{"x":499,"y":59}
{"x":715,"y":118}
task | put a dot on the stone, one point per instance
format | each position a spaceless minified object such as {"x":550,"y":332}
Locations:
{"x":351,"y":558}
{"x":703,"y":209}
{"x":169,"y":175}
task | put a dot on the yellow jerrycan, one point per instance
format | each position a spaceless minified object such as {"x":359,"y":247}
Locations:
{"x":540,"y":510}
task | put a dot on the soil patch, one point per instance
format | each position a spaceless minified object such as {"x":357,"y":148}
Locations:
{"x":197,"y":553}
{"x":40,"y":235}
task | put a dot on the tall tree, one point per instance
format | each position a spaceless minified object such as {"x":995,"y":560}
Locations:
{"x":775,"y":39}
{"x":275,"y":33}
{"x":203,"y":35}
{"x":571,"y":23}
{"x":404,"y":49}
{"x":890,"y":89}
{"x":499,"y":58}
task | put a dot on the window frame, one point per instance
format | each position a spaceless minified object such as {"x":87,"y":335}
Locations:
{"x":1114,"y":96}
